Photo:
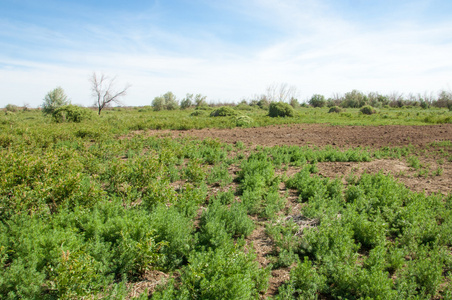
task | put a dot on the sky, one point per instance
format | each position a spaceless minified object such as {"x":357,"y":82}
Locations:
{"x":227,"y":50}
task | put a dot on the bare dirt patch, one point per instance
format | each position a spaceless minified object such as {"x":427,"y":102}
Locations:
{"x":322,"y":135}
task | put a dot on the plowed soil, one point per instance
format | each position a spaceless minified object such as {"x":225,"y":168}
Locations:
{"x":321,"y":135}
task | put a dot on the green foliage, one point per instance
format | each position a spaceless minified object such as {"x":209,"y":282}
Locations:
{"x":224,"y":273}
{"x":223,"y":111}
{"x":187,"y":102}
{"x":354,"y":99}
{"x":220,"y":223}
{"x":317,"y":101}
{"x":11,"y":108}
{"x":71,"y":113}
{"x":368,"y":110}
{"x":171,"y":102}
{"x":159,"y":103}
{"x":243,"y":121}
{"x":335,"y":109}
{"x":305,"y":282}
{"x":53,"y":100}
{"x":280,"y":109}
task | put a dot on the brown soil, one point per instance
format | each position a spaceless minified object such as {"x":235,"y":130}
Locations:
{"x":322,"y":135}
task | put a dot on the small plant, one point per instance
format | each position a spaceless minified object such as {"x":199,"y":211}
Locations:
{"x":368,"y":110}
{"x":280,"y":109}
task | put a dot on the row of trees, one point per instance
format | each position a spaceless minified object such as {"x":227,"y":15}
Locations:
{"x":357,"y":99}
{"x":105,"y":93}
{"x":169,"y":101}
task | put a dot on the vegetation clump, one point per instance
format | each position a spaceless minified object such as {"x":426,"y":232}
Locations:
{"x":11,"y":108}
{"x":368,"y":110}
{"x":224,"y":111}
{"x":243,"y":121}
{"x":71,"y":113}
{"x":280,"y":109}
{"x":53,"y":100}
{"x":335,"y":109}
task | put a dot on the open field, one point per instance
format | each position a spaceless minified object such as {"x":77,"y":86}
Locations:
{"x":172,"y":206}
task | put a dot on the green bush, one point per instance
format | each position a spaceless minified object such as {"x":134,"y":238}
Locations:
{"x":198,"y":113}
{"x":305,"y":283}
{"x":243,"y":121}
{"x":53,"y":100}
{"x":335,"y":109}
{"x":368,"y":110}
{"x":227,"y":272}
{"x":280,"y":109}
{"x":11,"y":108}
{"x":71,"y":113}
{"x":223,"y":111}
{"x":317,"y":101}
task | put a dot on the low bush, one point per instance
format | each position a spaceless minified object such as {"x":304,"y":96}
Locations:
{"x":243,"y":121}
{"x":11,"y":108}
{"x":223,"y":111}
{"x":335,"y":109}
{"x":71,"y":113}
{"x":368,"y":110}
{"x":227,"y":272}
{"x":280,"y":109}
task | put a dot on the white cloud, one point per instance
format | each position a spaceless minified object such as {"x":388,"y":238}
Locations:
{"x":318,"y":51}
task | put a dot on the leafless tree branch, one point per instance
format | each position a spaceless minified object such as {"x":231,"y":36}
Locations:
{"x":103,"y":90}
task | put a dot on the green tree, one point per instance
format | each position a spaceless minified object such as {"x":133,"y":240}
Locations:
{"x":53,"y":100}
{"x":187,"y":102}
{"x":158,"y":103}
{"x":171,"y":101}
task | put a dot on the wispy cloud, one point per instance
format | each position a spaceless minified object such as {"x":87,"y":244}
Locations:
{"x":313,"y":45}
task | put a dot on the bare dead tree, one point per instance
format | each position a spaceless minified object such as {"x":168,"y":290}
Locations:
{"x":103,"y":90}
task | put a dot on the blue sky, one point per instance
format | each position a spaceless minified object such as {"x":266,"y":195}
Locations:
{"x":227,"y":50}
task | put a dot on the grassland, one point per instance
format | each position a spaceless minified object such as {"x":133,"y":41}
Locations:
{"x":103,"y":209}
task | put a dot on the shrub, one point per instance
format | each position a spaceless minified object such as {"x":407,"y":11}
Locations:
{"x":354,"y":99}
{"x":187,"y":102}
{"x":226,"y":273}
{"x":263,"y":103}
{"x":200,"y":100}
{"x":280,"y":109}
{"x":317,"y":101}
{"x":11,"y":108}
{"x":198,"y":113}
{"x":304,"y":282}
{"x":223,"y":111}
{"x":71,"y":113}
{"x":171,"y":101}
{"x":158,"y":103}
{"x":294,"y":103}
{"x":335,"y":109}
{"x":368,"y":110}
{"x":53,"y":100}
{"x":243,"y":121}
